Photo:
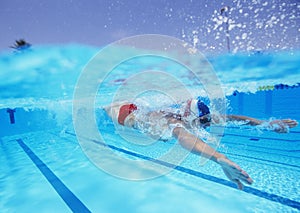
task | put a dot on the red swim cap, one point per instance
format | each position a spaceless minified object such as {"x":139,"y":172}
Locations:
{"x":124,"y":111}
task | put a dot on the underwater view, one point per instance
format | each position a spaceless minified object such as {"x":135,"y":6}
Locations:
{"x":150,"y":106}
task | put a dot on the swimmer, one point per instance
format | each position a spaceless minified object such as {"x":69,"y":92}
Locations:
{"x":192,"y":114}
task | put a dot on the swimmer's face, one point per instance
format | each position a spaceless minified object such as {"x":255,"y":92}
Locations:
{"x":203,"y":121}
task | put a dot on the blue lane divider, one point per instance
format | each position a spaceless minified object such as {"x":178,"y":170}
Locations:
{"x":247,"y":189}
{"x":69,"y":198}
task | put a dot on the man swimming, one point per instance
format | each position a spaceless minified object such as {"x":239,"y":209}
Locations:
{"x":180,"y":124}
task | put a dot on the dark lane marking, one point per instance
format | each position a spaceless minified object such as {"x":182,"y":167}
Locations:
{"x":245,"y":136}
{"x":247,"y":189}
{"x":266,"y":138}
{"x":69,"y":198}
{"x":254,"y":139}
{"x":249,"y":128}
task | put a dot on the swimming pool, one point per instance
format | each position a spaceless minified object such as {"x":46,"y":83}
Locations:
{"x":44,"y":169}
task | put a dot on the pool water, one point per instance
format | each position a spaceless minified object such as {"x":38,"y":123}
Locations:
{"x":44,"y":169}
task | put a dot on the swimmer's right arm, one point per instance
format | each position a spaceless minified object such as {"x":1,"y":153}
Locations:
{"x":197,"y":146}
{"x":278,"y":125}
{"x":251,"y":121}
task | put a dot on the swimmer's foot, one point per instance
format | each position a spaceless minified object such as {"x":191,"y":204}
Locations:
{"x":234,"y":172}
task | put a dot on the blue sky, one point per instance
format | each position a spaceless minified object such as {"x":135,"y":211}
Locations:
{"x":254,"y":24}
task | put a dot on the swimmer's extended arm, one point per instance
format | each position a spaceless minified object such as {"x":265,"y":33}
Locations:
{"x":251,"y":121}
{"x":279,"y":125}
{"x":197,"y":146}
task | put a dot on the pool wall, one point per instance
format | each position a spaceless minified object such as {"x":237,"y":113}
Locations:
{"x":281,"y":103}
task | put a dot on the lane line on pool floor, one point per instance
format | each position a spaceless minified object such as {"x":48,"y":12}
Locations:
{"x":247,"y":189}
{"x":265,"y":152}
{"x":261,"y":159}
{"x":246,"y":144}
{"x":63,"y":191}
{"x":259,"y":137}
{"x":263,"y":130}
{"x":245,"y":136}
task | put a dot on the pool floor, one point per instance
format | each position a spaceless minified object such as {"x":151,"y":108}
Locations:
{"x":46,"y":171}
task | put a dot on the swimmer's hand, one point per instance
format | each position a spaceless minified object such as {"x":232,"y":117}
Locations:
{"x":234,"y":172}
{"x":282,"y":126}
